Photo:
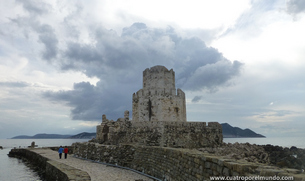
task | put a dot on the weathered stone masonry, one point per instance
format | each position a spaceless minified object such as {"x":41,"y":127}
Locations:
{"x":176,"y":164}
{"x":158,"y":139}
{"x":159,"y":118}
{"x":161,"y":133}
{"x":158,"y":100}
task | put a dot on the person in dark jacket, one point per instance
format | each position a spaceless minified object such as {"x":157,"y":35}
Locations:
{"x":60,"y":150}
{"x":66,"y":152}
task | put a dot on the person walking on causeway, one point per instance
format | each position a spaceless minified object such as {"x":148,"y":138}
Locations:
{"x":66,"y":152}
{"x":60,"y":150}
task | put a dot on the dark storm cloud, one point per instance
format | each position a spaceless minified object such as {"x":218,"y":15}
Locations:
{"x":212,"y":75}
{"x":295,"y":6}
{"x":136,"y":49}
{"x":14,"y":84}
{"x":48,"y":38}
{"x":140,"y":47}
{"x":118,"y":61}
{"x":196,"y":99}
{"x":90,"y":102}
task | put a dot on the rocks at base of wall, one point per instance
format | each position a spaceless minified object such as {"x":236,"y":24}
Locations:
{"x":240,"y":151}
{"x":286,"y":157}
{"x":268,"y":154}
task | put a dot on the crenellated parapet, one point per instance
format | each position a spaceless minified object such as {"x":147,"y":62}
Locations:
{"x":158,"y":77}
{"x":159,"y":100}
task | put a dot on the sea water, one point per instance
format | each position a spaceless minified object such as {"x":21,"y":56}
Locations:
{"x":13,"y":169}
{"x":280,"y":141}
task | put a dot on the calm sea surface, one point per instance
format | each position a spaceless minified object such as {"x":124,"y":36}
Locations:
{"x":12,"y":169}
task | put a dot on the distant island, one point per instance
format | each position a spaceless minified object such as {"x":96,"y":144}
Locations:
{"x":83,"y":135}
{"x":227,"y":130}
{"x":235,"y":132}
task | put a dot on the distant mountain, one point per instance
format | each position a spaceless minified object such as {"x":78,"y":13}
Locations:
{"x":235,"y":132}
{"x":83,"y":135}
{"x":22,"y":137}
{"x":227,"y":130}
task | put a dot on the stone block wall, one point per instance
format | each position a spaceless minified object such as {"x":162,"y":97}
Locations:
{"x":158,"y":100}
{"x":157,"y":105}
{"x":172,"y":164}
{"x":158,"y":77}
{"x":161,"y":133}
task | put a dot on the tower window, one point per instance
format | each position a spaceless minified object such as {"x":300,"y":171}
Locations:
{"x":149,"y":109}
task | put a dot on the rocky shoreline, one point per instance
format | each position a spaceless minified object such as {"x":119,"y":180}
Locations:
{"x":282,"y":157}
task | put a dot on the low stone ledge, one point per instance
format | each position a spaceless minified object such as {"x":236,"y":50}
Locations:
{"x":61,"y":171}
{"x":53,"y":169}
{"x":176,"y":163}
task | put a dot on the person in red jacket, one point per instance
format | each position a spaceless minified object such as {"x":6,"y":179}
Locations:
{"x":66,"y":152}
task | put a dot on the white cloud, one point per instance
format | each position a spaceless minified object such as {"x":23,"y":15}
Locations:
{"x":85,"y":51}
{"x":89,"y":123}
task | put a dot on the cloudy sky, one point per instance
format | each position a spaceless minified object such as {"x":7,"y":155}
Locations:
{"x":65,"y":63}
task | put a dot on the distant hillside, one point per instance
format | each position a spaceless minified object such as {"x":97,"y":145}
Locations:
{"x":227,"y":130}
{"x":83,"y":135}
{"x":235,"y":132}
{"x":22,"y":137}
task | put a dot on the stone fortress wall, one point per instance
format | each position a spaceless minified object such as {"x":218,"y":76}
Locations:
{"x":160,"y":142}
{"x":160,"y":133}
{"x":176,"y":164}
{"x":159,"y":118}
{"x":158,"y":100}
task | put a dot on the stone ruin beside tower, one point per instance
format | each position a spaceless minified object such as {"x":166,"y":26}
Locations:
{"x":159,"y":118}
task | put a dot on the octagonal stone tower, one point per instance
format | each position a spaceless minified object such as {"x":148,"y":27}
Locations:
{"x":158,"y":100}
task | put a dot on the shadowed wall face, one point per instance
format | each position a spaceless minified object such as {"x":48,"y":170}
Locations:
{"x":160,"y":133}
{"x":159,"y":100}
